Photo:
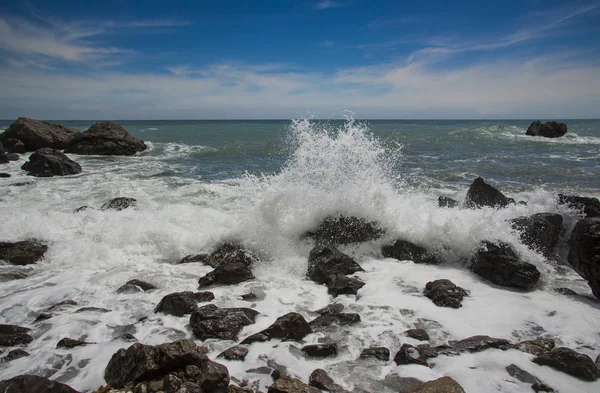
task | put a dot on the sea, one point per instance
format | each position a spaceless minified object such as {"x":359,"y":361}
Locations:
{"x":265,"y":183}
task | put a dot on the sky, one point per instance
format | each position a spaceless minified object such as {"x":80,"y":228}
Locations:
{"x":281,"y":59}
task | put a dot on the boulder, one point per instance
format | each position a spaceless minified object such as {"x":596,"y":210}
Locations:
{"x":2,"y":174}
{"x":92,"y":309}
{"x":379,"y":353}
{"x":71,"y":343}
{"x":289,"y":327}
{"x":441,"y":385}
{"x":520,"y":374}
{"x":339,"y":230}
{"x":291,"y":385}
{"x":12,"y":156}
{"x":478,"y":344}
{"x":36,"y":134}
{"x":107,"y":139}
{"x":417,"y":334}
{"x":537,"y":346}
{"x":481,"y":194}
{"x":25,"y":252}
{"x":234,"y":353}
{"x":14,"y":355}
{"x":63,"y":304}
{"x":229,"y":253}
{"x":47,"y":162}
{"x":447,"y":202}
{"x":584,"y":252}
{"x":409,"y":354}
{"x":403,"y":250}
{"x":213,"y":377}
{"x":119,"y":204}
{"x":551,"y":129}
{"x":202,"y":258}
{"x":570,"y":362}
{"x":500,"y":265}
{"x":339,"y":319}
{"x":11,"y":335}
{"x":334,"y":308}
{"x":33,"y":384}
{"x":14,"y":146}
{"x":320,"y":350}
{"x":342,"y":285}
{"x":3,"y":157}
{"x":135,"y":286}
{"x":539,"y":231}
{"x":540,"y":387}
{"x":444,"y":293}
{"x":590,"y":207}
{"x":182,"y":303}
{"x":326,"y":262}
{"x":227,"y":274}
{"x":321,"y":380}
{"x":211,"y":321}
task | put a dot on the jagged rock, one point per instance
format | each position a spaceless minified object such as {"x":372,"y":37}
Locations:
{"x":142,"y":362}
{"x":326,"y":262}
{"x":320,"y":350}
{"x":334,"y":308}
{"x":340,"y":319}
{"x":409,"y":354}
{"x":589,"y":206}
{"x":539,"y":231}
{"x":182,"y":303}
{"x":520,"y":374}
{"x":135,"y":286}
{"x":342,"y":285}
{"x":71,"y":343}
{"x":92,"y":309}
{"x":481,"y":194}
{"x":213,"y":377}
{"x":289,"y":327}
{"x":551,"y":129}
{"x":3,"y":157}
{"x":11,"y":335}
{"x":105,"y":138}
{"x":36,"y":134}
{"x":228,"y":253}
{"x":540,"y":387}
{"x":444,"y":293}
{"x":427,"y":351}
{"x":379,"y":353}
{"x":447,"y":202}
{"x":570,"y":362}
{"x":227,"y":274}
{"x":403,"y":250}
{"x":14,"y":355}
{"x":211,"y":321}
{"x":500,"y":265}
{"x":537,"y":346}
{"x":234,"y":353}
{"x":202,"y":258}
{"x":14,"y":146}
{"x":584,"y":252}
{"x":291,"y":385}
{"x":441,"y":385}
{"x":345,"y":230}
{"x":480,"y":343}
{"x":119,"y":204}
{"x":22,"y":253}
{"x":47,"y":162}
{"x":321,"y":380}
{"x":33,"y":384}
{"x":417,"y":334}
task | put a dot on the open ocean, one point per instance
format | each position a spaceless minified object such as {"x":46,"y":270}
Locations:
{"x":266,"y":183}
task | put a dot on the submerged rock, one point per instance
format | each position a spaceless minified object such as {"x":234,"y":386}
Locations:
{"x":71,"y":343}
{"x":36,"y":134}
{"x":520,"y":374}
{"x":11,"y":335}
{"x":320,"y":350}
{"x":444,"y":293}
{"x":22,"y":253}
{"x":14,"y":355}
{"x":182,"y":303}
{"x":135,"y":286}
{"x":227,"y":274}
{"x":539,"y":231}
{"x":326,"y":262}
{"x":334,"y":308}
{"x":2,"y":174}
{"x":584,"y":252}
{"x":119,"y":204}
{"x":345,"y":230}
{"x":231,"y":253}
{"x":379,"y":353}
{"x":481,"y":194}
{"x":447,"y":202}
{"x":33,"y":384}
{"x":202,"y":258}
{"x":234,"y":353}
{"x":339,"y":319}
{"x":441,"y":385}
{"x":289,"y":327}
{"x":403,"y":250}
{"x":417,"y":334}
{"x":93,"y":309}
{"x":106,"y":138}
{"x":537,"y":346}
{"x":321,"y":380}
{"x":291,"y":385}
{"x":211,"y":321}
{"x":47,"y":162}
{"x":409,"y":354}
{"x":551,"y":129}
{"x":570,"y":362}
{"x":479,"y":343}
{"x":342,"y":285}
{"x":589,"y":206}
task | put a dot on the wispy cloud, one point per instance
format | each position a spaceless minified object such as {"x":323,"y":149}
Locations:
{"x":326,"y":4}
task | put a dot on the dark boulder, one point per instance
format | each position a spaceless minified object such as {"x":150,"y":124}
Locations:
{"x":14,"y":146}
{"x":2,"y":174}
{"x":71,"y":343}
{"x":211,"y":321}
{"x":11,"y":335}
{"x":22,"y":253}
{"x":441,"y":385}
{"x":339,"y":319}
{"x":379,"y":353}
{"x":320,"y":350}
{"x":182,"y":303}
{"x":345,"y":230}
{"x":447,"y":202}
{"x":334,"y":308}
{"x":33,"y":384}
{"x":3,"y":157}
{"x":321,"y":380}
{"x":228,"y":253}
{"x":541,"y":387}
{"x":36,"y":134}
{"x":106,"y":138}
{"x":537,"y":346}
{"x":539,"y":231}
{"x":479,"y":343}
{"x":444,"y":293}
{"x":551,"y":129}
{"x":119,"y":204}
{"x":291,"y":385}
{"x":234,"y":353}
{"x":500,"y":265}
{"x":342,"y":285}
{"x":481,"y":194}
{"x":584,"y":252}
{"x":14,"y":355}
{"x":213,"y":377}
{"x":289,"y":327}
{"x":92,"y":309}
{"x":403,"y":250}
{"x":135,"y":286}
{"x":520,"y":374}
{"x":417,"y":334}
{"x":409,"y":354}
{"x":570,"y":362}
{"x":326,"y":262}
{"x":227,"y":274}
{"x":47,"y":162}
{"x":589,"y":206}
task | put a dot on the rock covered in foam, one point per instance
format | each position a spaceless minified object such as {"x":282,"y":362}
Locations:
{"x":33,"y":384}
{"x":340,"y":230}
{"x":444,"y":293}
{"x":289,"y":327}
{"x":403,"y":250}
{"x":11,"y":335}
{"x":539,"y":231}
{"x":105,"y":138}
{"x":550,"y":129}
{"x":135,"y":286}
{"x":321,"y":380}
{"x":47,"y":162}
{"x":570,"y":362}
{"x":590,"y":207}
{"x":230,"y":273}
{"x":36,"y":134}
{"x":481,"y":194}
{"x":327,"y":265}
{"x":25,"y":252}
{"x":584,"y":252}
{"x":120,"y":203}
{"x":379,"y":353}
{"x":211,"y":321}
{"x":182,"y":303}
{"x":409,"y":354}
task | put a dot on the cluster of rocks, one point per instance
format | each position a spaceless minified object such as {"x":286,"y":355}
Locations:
{"x":551,"y":129}
{"x":47,"y":140}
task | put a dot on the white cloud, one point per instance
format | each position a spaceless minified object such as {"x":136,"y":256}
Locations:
{"x":326,"y":4}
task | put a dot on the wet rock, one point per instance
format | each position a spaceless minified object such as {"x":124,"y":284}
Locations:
{"x":444,"y":293}
{"x":4,"y":174}
{"x":71,"y":343}
{"x":291,"y":385}
{"x":539,"y":231}
{"x":12,"y":275}
{"x":481,"y":343}
{"x":320,"y":350}
{"x":551,"y":129}
{"x":417,"y":334}
{"x":409,"y":354}
{"x":334,"y":308}
{"x":340,"y":319}
{"x":540,"y":387}
{"x":3,"y":157}
{"x":565,"y":291}
{"x":182,"y":303}
{"x":598,"y":362}
{"x":321,"y":380}
{"x":202,"y":258}
{"x":227,"y":274}
{"x":42,"y":317}
{"x":400,"y":384}
{"x":12,"y":156}
{"x":213,"y":377}
{"x":119,"y":204}
{"x":500,"y":265}
{"x":403,"y":250}
{"x":521,"y":375}
{"x":427,"y":351}
{"x":584,"y":252}
{"x":234,"y":353}
{"x":14,"y":355}
{"x":33,"y":384}
{"x":22,"y":253}
{"x":589,"y":206}
{"x":537,"y":346}
{"x":379,"y":353}
{"x":441,"y":385}
{"x":14,"y":146}
{"x":249,"y":297}
{"x":326,"y":262}
{"x":48,"y":162}
{"x":63,"y":304}
{"x":82,"y":208}
{"x":342,"y":285}
{"x":447,"y":202}
{"x":135,"y":286}
{"x":570,"y":362}
{"x":11,"y":335}
{"x":93,"y":309}
{"x":289,"y":327}
{"x":105,"y":138}
{"x":36,"y":134}
{"x":127,"y":337}
{"x":211,"y":321}
{"x":237,"y":389}
{"x":228,"y":253}
{"x":481,"y":194}
{"x":142,"y":362}
{"x":345,"y":230}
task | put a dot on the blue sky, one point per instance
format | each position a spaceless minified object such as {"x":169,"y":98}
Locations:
{"x":288,"y":59}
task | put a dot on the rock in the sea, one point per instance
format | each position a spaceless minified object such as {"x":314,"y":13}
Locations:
{"x":334,"y":308}
{"x":570,"y":362}
{"x":289,"y":327}
{"x":589,"y":206}
{"x":325,"y":262}
{"x":320,"y":350}
{"x":92,"y":309}
{"x":417,"y":334}
{"x":409,"y":354}
{"x":25,"y":252}
{"x":478,"y":344}
{"x":379,"y":353}
{"x":541,"y":387}
{"x":537,"y":346}
{"x":182,"y":303}
{"x":499,"y":264}
{"x":551,"y":129}
{"x":33,"y":384}
{"x":227,"y":274}
{"x":106,"y":138}
{"x":2,"y":174}
{"x":202,"y":258}
{"x":444,"y":293}
{"x":14,"y":146}
{"x":213,"y":377}
{"x":36,"y":134}
{"x":345,"y":230}
{"x":520,"y":374}
{"x":447,"y":202}
{"x":211,"y":321}
{"x":342,"y":285}
{"x":11,"y":335}
{"x":230,"y":252}
{"x":71,"y":343}
{"x":47,"y":162}
{"x":238,"y":352}
{"x":539,"y":231}
{"x":12,"y":156}
{"x":119,"y":204}
{"x":135,"y":286}
{"x":3,"y":157}
{"x":321,"y":380}
{"x":441,"y":385}
{"x":339,"y":319}
{"x":14,"y":355}
{"x":291,"y":385}
{"x":584,"y":252}
{"x":481,"y":194}
{"x":403,"y":250}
